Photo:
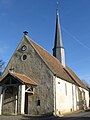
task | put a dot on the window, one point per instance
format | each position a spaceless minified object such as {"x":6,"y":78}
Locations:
{"x":24,"y":57}
{"x":58,"y":82}
{"x":38,"y":103}
{"x":23,"y":48}
{"x":65,"y":88}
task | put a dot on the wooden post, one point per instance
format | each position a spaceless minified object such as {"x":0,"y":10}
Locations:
{"x":22,"y":98}
{"x":16,"y":105}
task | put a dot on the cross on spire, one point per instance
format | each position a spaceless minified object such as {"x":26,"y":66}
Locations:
{"x":57,"y":7}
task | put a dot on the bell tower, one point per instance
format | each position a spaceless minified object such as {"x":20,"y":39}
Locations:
{"x":58,"y":50}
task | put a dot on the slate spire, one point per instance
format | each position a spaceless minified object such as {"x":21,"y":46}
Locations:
{"x":58,"y":50}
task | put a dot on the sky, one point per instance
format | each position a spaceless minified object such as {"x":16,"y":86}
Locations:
{"x":38,"y":17}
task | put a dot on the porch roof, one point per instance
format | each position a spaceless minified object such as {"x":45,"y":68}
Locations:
{"x":21,"y":77}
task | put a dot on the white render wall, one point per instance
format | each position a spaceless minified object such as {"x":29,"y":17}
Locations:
{"x":65,"y":96}
{"x":1,"y":95}
{"x":63,"y":56}
{"x":74,"y":96}
{"x":86,"y":97}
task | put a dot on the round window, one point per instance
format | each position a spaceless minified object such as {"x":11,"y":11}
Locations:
{"x":24,"y":57}
{"x":23,"y":48}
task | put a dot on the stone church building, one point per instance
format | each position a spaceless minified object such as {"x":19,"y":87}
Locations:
{"x":35,"y":82}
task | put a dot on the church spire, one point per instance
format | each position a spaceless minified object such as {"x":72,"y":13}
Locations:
{"x":58,"y":50}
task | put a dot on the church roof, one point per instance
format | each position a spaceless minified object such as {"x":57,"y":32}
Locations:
{"x":75,"y":77}
{"x":55,"y":66}
{"x":21,"y":77}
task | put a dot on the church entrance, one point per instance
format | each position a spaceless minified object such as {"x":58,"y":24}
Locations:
{"x":28,"y":92}
{"x":26,"y":103}
{"x":9,"y":103}
{"x":14,"y":91}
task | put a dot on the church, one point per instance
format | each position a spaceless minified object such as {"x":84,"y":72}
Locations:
{"x":35,"y":82}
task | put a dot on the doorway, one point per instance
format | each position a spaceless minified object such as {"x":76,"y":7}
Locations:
{"x":26,"y":103}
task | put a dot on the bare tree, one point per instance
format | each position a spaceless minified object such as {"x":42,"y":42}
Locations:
{"x":86,"y":83}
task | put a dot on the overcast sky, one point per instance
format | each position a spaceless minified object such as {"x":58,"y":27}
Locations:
{"x":38,"y":18}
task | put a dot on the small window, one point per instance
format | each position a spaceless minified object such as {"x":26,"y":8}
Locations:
{"x":38,"y":103}
{"x":24,"y":57}
{"x":58,"y":82}
{"x":23,"y":48}
{"x":66,"y":89}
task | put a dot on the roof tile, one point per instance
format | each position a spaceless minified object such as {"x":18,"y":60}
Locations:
{"x":23,"y":78}
{"x":56,"y":67}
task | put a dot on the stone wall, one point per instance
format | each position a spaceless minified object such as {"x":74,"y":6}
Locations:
{"x":37,"y":70}
{"x":9,"y":100}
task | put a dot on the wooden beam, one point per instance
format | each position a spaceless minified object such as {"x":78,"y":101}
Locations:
{"x":30,"y":90}
{"x":7,"y":85}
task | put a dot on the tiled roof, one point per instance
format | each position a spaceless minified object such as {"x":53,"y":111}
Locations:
{"x":53,"y":63}
{"x":55,"y":66}
{"x":21,"y":77}
{"x":75,"y":77}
